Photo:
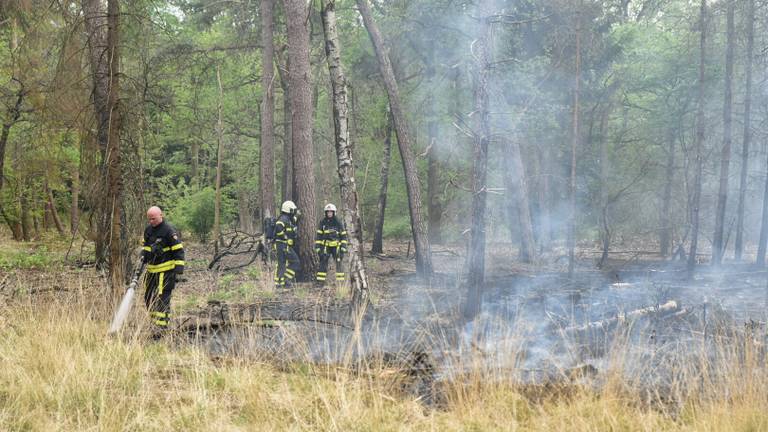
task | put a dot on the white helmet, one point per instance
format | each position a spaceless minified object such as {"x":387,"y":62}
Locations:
{"x":330,"y":207}
{"x":288,"y":207}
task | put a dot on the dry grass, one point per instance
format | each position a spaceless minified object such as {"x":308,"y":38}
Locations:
{"x":59,"y":371}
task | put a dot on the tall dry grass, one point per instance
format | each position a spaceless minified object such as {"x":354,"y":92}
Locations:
{"x":59,"y":371}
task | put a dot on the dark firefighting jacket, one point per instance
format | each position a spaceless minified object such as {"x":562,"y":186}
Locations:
{"x":285,"y":229}
{"x":163,"y":250}
{"x":331,"y":234}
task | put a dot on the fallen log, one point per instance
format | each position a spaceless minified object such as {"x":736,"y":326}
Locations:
{"x":669,"y":307}
{"x":217,"y":315}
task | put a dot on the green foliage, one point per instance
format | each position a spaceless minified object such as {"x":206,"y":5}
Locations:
{"x":195,"y":212}
{"x":40,"y":258}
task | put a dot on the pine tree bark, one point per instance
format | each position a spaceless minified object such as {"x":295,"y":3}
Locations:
{"x":74,"y":211}
{"x":482,"y":135}
{"x":575,"y":139}
{"x":267,"y":158}
{"x":286,"y":180}
{"x":345,"y":161}
{"x":420,"y":240}
{"x":718,"y":248}
{"x":219,"y":162}
{"x":300,"y":92}
{"x":750,"y":18}
{"x":698,"y":142}
{"x":381,"y":207}
{"x":114,"y":163}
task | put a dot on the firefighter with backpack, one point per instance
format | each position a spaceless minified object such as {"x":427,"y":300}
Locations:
{"x":285,"y":235}
{"x":330,"y":242}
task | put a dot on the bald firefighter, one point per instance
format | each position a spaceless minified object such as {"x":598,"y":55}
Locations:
{"x":286,"y":234}
{"x":163,"y":253}
{"x":330,"y":242}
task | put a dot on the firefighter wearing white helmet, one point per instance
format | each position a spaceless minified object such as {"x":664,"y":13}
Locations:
{"x":285,"y":238}
{"x":330,"y":242}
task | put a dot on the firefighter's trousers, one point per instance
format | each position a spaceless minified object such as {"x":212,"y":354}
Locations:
{"x":327,"y":254}
{"x":157,"y":296}
{"x":287,"y":264}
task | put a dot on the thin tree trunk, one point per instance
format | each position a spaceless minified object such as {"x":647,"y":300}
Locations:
{"x":750,"y":17}
{"x":378,"y":232}
{"x":604,"y":202}
{"x":699,"y":142}
{"x":575,"y":138}
{"x":267,"y":158}
{"x":114,"y":164}
{"x":544,"y":221}
{"x":718,"y":248}
{"x":518,"y":201}
{"x":51,"y":204}
{"x":665,"y":233}
{"x":219,"y":162}
{"x":299,"y":83}
{"x":420,"y":240}
{"x":345,"y":162}
{"x":74,"y":210}
{"x":482,"y":135}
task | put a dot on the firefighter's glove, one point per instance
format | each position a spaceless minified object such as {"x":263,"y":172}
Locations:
{"x":179,"y":271}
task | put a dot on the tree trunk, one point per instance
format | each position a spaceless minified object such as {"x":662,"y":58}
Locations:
{"x":699,"y":142}
{"x":544,"y":222}
{"x":114,"y":164}
{"x":761,"y":246}
{"x":482,"y":134}
{"x":26,"y":219}
{"x":378,"y":233}
{"x":267,"y":159}
{"x":434,"y":205}
{"x":750,"y":17}
{"x":74,"y":210}
{"x":345,"y":162}
{"x":518,"y":202}
{"x":287,"y":181}
{"x":605,"y":225}
{"x":718,"y":248}
{"x":54,"y":213}
{"x":299,"y":83}
{"x":219,"y":162}
{"x":420,"y":240}
{"x":665,"y":233}
{"x":96,"y":26}
{"x":13,"y":115}
{"x":575,"y":139}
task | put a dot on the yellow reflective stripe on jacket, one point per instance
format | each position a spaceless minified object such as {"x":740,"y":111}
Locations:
{"x":177,"y":246}
{"x":179,"y":262}
{"x":162,"y":267}
{"x":147,"y":248}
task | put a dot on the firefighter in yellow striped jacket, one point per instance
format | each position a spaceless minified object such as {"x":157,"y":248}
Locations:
{"x":163,"y":252}
{"x":286,"y":234}
{"x":330,"y":242}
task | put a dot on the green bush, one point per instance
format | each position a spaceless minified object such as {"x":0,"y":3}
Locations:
{"x":195,"y":212}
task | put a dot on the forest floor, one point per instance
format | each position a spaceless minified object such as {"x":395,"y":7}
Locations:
{"x":635,"y":346}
